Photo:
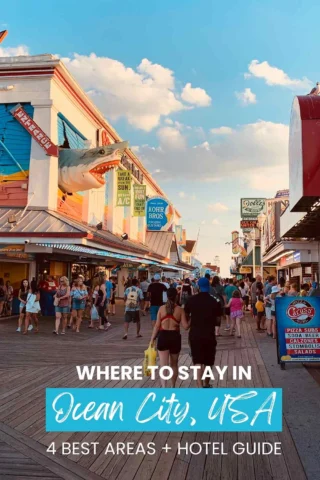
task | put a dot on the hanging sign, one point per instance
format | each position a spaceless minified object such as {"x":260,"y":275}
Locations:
{"x":35,"y":131}
{"x":245,"y":270}
{"x":235,"y":242}
{"x":160,"y":215}
{"x":298,"y":326}
{"x":251,"y":207}
{"x":139,"y":200}
{"x":248,"y":224}
{"x":123,"y":188}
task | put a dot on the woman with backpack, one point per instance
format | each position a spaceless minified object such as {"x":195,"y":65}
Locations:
{"x":220,"y":296}
{"x":186,"y":292}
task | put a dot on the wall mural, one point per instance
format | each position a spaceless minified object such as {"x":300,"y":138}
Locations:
{"x":15,"y":147}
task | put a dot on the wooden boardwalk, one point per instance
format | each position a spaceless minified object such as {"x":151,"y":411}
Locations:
{"x":29,"y":364}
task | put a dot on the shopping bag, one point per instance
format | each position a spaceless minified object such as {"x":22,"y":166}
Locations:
{"x":94,"y":314}
{"x":150,"y":360}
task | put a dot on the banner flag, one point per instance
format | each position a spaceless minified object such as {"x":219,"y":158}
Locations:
{"x":123,"y":188}
{"x":139,"y":200}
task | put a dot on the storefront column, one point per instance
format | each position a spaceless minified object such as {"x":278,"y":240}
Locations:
{"x":32,"y":270}
{"x":43,"y":171}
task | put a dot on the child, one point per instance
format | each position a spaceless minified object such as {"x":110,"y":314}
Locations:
{"x":271,"y":323}
{"x":260,"y":311}
{"x":236,"y":312}
{"x":32,"y":309}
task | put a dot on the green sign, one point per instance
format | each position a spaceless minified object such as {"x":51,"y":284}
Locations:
{"x":139,"y":200}
{"x":123,"y":188}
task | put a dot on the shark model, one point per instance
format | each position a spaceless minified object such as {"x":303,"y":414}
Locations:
{"x":84,"y":169}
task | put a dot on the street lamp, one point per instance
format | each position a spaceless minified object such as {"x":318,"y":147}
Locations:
{"x":261,"y":220}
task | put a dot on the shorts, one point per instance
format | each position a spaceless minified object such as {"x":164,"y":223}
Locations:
{"x":260,"y":315}
{"x":169,"y":340}
{"x":273,"y":313}
{"x":218,"y":323}
{"x":203,"y":350}
{"x":154,"y":309}
{"x":76,"y":305}
{"x":227,"y":311}
{"x":113,"y":300}
{"x":268,"y":313}
{"x":132,"y":316}
{"x":254,"y":310}
{"x":62,"y":309}
{"x":237,"y":314}
{"x":145,"y":296}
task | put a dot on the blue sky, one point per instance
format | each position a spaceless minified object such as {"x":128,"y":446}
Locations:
{"x":207,"y":45}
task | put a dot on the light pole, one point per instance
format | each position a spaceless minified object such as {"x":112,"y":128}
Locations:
{"x":261,"y":220}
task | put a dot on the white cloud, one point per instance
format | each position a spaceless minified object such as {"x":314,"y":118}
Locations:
{"x":246,"y":97}
{"x":218,"y":207}
{"x":269,"y":179}
{"x":215,"y":221}
{"x":231,"y":158}
{"x":275,"y":76}
{"x":142,"y":95}
{"x":168,"y":121}
{"x":195,"y":96}
{"x":221,"y":131}
{"x":182,"y":194}
{"x":171,"y":138}
{"x":156,"y":74}
{"x":135,"y":148}
{"x":21,"y":50}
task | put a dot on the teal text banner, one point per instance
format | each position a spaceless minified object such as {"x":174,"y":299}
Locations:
{"x":163,"y":410}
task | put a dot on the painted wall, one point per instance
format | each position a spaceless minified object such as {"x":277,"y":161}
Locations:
{"x":47,"y":98}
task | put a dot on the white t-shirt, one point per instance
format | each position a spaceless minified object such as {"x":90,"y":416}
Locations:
{"x":164,"y":295}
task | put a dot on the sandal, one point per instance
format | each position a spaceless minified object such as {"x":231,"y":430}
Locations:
{"x":139,"y":336}
{"x":125,"y":337}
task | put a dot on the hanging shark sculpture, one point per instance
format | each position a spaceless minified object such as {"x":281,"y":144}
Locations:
{"x":84,"y":169}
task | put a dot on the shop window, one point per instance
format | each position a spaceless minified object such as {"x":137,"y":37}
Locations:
{"x":68,"y":135}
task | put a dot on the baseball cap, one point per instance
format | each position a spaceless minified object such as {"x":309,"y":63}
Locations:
{"x":157,"y":276}
{"x":275,"y":289}
{"x":204,"y":284}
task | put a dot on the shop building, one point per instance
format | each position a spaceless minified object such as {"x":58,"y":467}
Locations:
{"x":60,"y":208}
{"x":300,"y":223}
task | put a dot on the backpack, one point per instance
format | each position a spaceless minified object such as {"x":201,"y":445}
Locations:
{"x":219,"y":305}
{"x":132,"y":299}
{"x":260,"y":306}
{"x":218,"y":297}
{"x":185,"y":294}
{"x":2,"y":292}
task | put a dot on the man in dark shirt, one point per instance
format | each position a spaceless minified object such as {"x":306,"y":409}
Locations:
{"x":203,"y":311}
{"x":155,"y":293}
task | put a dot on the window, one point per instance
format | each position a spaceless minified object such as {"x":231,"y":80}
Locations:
{"x":68,"y":135}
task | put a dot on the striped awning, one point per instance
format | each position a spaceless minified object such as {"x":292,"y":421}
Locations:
{"x":100,"y":253}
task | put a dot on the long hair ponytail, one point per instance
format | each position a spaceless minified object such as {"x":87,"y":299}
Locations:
{"x":171,"y":301}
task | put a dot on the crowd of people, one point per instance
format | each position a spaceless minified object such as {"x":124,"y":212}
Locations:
{"x":196,"y":305}
{"x":71,"y":302}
